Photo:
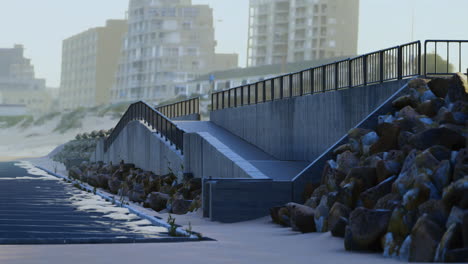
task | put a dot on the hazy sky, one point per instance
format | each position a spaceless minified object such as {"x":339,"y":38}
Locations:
{"x":41,"y":25}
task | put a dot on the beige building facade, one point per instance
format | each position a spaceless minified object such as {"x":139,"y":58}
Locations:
{"x":287,"y":31}
{"x":89,"y":65}
{"x":168,"y":44}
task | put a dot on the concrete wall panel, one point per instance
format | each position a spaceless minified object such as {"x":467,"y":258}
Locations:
{"x":301,"y":128}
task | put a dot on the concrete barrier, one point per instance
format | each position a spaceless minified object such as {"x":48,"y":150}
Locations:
{"x":146,"y":149}
{"x":241,"y":200}
{"x":302,"y":128}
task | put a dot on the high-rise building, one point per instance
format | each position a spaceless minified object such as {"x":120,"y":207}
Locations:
{"x":286,"y":31}
{"x":89,"y":65}
{"x":18,"y":84}
{"x":168,"y":43}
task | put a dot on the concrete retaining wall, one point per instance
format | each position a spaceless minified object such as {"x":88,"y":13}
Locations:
{"x":205,"y":157}
{"x":302,"y":128}
{"x":312,"y":174}
{"x":238,"y":200}
{"x":137,"y":144}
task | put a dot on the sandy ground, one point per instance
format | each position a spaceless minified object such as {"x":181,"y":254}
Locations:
{"x":257,"y":241}
{"x":37,"y":141}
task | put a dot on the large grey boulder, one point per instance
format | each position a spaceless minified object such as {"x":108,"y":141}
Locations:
{"x":180,"y":206}
{"x":452,"y":239}
{"x":338,"y":219}
{"x":425,"y":238}
{"x":302,"y":217}
{"x":157,"y":201}
{"x":366,"y":229}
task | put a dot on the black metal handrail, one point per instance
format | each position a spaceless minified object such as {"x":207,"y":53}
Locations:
{"x":450,"y":45}
{"x":141,"y":111}
{"x":182,"y":108}
{"x":395,"y":63}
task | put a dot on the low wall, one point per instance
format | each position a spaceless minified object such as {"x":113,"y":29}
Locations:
{"x":302,"y":128}
{"x":139,"y":145}
{"x":192,"y":117}
{"x":241,"y":200}
{"x":205,"y":157}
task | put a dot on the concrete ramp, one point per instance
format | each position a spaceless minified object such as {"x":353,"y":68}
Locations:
{"x":234,"y":148}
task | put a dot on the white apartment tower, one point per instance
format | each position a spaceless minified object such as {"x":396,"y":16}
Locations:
{"x":286,"y":31}
{"x":168,"y":43}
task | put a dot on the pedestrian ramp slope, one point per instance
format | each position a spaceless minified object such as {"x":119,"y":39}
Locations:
{"x":213,"y":152}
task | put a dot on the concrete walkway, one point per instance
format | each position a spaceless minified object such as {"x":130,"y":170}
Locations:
{"x":37,"y":208}
{"x":267,"y":164}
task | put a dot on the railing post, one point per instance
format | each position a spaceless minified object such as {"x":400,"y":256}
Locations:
{"x":248,"y":93}
{"x":337,"y":77}
{"x":229,"y":98}
{"x":290,"y":85}
{"x":324,"y":78}
{"x":301,"y":83}
{"x":312,"y":80}
{"x":222,"y":97}
{"x":281,"y":87}
{"x":400,"y":63}
{"x":350,"y":73}
{"x":364,"y":68}
{"x":235,"y":97}
{"x":242,"y":95}
{"x":256,"y":93}
{"x":419,"y":58}
{"x":212,"y":102}
{"x":381,"y":66}
{"x":273,"y":89}
{"x":264,"y":91}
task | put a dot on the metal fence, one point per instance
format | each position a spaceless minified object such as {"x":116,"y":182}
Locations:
{"x":444,"y":57}
{"x":182,"y":108}
{"x":385,"y":65}
{"x":153,"y":118}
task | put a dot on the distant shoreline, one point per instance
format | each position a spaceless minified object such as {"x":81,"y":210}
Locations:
{"x":6,"y":158}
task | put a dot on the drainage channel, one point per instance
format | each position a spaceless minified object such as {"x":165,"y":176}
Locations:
{"x":39,"y":208}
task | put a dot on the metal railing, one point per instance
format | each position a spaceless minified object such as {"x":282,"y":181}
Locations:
{"x":385,"y":65}
{"x":444,"y":52}
{"x":182,"y":108}
{"x":141,"y":111}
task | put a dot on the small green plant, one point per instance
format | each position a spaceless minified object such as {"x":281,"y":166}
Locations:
{"x":172,"y":226}
{"x":189,"y":229}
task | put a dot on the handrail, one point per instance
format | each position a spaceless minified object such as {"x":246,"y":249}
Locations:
{"x":446,"y":71}
{"x":141,"y":111}
{"x":390,"y":64}
{"x":183,"y":108}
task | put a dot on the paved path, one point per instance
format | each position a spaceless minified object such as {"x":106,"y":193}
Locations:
{"x":267,"y":164}
{"x":37,"y":208}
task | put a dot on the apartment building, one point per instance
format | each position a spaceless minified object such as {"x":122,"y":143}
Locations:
{"x":286,"y":31}
{"x":168,"y":43}
{"x":89,"y":65}
{"x":18,"y":84}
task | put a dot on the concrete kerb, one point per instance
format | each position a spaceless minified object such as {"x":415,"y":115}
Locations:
{"x":184,"y":235}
